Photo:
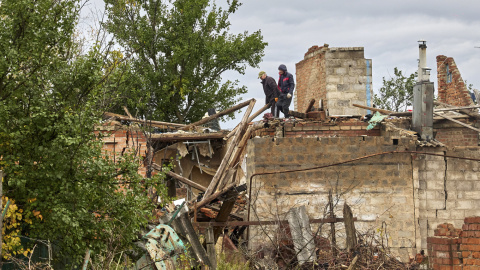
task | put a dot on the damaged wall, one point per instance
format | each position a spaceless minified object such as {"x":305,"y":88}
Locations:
{"x":446,"y":189}
{"x":339,"y":76}
{"x":379,"y":189}
{"x":451,"y":87}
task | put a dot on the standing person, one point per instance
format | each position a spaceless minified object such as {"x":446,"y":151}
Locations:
{"x":286,"y":85}
{"x":270,"y":90}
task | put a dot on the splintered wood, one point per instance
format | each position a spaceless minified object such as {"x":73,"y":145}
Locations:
{"x":221,"y":176}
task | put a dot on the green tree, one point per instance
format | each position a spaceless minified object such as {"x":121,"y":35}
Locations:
{"x":51,"y":97}
{"x":179,"y":51}
{"x":396,"y":94}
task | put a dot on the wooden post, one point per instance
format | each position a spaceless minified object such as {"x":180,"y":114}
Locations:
{"x":310,"y":105}
{"x":231,"y":147}
{"x":210,"y":240}
{"x":224,"y":212}
{"x":349,"y":228}
{"x":302,"y":236}
{"x":185,"y":180}
{"x":192,"y":238}
{"x":332,"y":224}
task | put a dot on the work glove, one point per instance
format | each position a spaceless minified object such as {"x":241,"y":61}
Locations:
{"x":276,"y":99}
{"x":289,"y":95}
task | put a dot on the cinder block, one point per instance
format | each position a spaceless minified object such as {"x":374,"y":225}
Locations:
{"x":465,"y":204}
{"x":435,"y":165}
{"x":436,"y":204}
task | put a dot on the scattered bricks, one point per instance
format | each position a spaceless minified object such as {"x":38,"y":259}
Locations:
{"x":472,"y":220}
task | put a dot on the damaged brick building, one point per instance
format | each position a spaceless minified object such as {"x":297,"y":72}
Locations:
{"x":397,"y":184}
{"x":394,"y":182}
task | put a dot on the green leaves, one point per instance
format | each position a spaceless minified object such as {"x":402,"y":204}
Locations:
{"x":179,"y":52}
{"x":51,"y":97}
{"x":396,"y":94}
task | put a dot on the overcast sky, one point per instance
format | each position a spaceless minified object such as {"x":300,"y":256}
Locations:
{"x":387,"y":29}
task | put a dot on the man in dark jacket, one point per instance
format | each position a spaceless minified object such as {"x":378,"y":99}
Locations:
{"x":286,"y":85}
{"x":270,"y":90}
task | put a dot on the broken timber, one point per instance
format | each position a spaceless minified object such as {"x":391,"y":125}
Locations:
{"x":464,"y":111}
{"x":250,"y":119}
{"x":349,"y":228}
{"x":382,"y":111}
{"x":168,"y":137}
{"x":310,"y":105}
{"x":180,"y":178}
{"x":456,"y":121}
{"x":222,"y":113}
{"x":159,"y":124}
{"x":221,"y":171}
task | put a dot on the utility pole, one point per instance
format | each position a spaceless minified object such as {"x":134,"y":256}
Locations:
{"x":1,"y":221}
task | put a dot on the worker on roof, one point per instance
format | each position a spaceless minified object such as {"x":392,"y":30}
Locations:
{"x":286,"y":85}
{"x":270,"y":90}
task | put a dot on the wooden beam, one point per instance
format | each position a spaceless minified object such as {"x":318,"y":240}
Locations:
{"x":456,"y":108}
{"x":250,"y":119}
{"x":224,"y":213}
{"x":207,"y":200}
{"x":167,"y":137}
{"x":146,"y":122}
{"x":382,"y":111}
{"x":464,"y":111}
{"x":458,"y":122}
{"x":180,"y":178}
{"x":349,"y":228}
{"x":310,"y":105}
{"x":222,"y":113}
{"x":186,"y":181}
{"x":231,"y":147}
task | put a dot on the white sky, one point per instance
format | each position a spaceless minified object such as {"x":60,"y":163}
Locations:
{"x":387,"y":29}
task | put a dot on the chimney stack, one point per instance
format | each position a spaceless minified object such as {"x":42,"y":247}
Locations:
{"x":422,"y":118}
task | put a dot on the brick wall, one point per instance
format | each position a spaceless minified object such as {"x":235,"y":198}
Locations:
{"x":451,"y":87}
{"x":452,"y":134}
{"x":337,"y":75}
{"x":119,"y":140}
{"x":456,"y":249}
{"x":310,"y":75}
{"x":378,"y":189}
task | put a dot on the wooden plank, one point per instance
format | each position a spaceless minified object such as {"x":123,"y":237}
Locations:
{"x":180,"y":178}
{"x":192,"y":237}
{"x":224,"y":213}
{"x":233,"y":215}
{"x":458,"y":122}
{"x":382,"y":111}
{"x":250,"y":119}
{"x":222,"y":113}
{"x":332,"y":225}
{"x":354,"y":261}
{"x":263,"y":223}
{"x":207,"y":200}
{"x":170,"y":137}
{"x":310,"y":105}
{"x":467,"y":112}
{"x":456,"y":108}
{"x":186,"y":181}
{"x":146,"y":122}
{"x":349,"y":228}
{"x":210,"y":241}
{"x":231,"y":147}
{"x":302,"y":236}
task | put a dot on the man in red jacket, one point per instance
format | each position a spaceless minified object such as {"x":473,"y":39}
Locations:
{"x":270,"y":90}
{"x":286,"y":85}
